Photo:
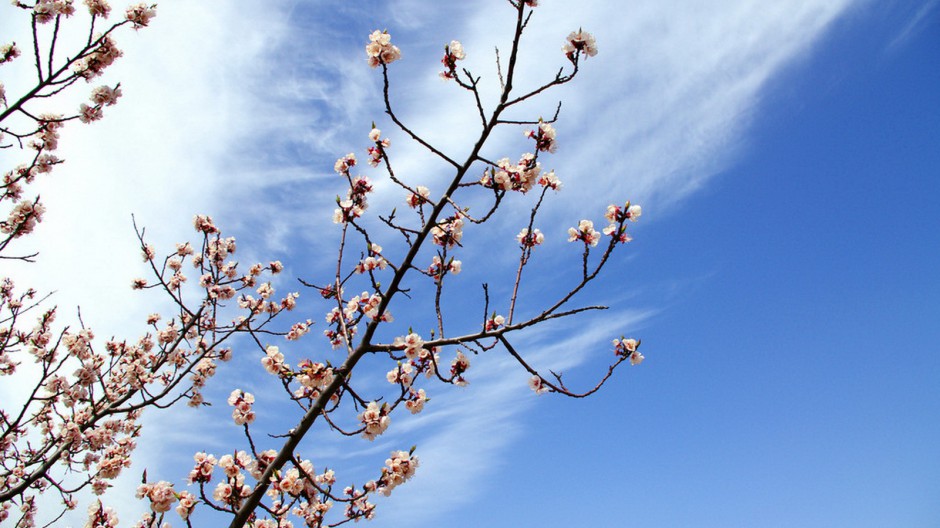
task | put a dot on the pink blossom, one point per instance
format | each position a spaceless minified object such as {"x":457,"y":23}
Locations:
{"x":298,"y":330}
{"x":513,"y":177}
{"x":265,"y":290}
{"x":532,"y":239}
{"x":343,"y":164}
{"x":380,"y":49}
{"x":105,"y":95}
{"x":458,"y":366}
{"x":95,"y":63}
{"x":140,"y":14}
{"x":536,"y":384}
{"x":412,"y":344}
{"x":161,"y":495}
{"x":203,"y":224}
{"x":494,"y":322}
{"x":23,"y":218}
{"x":544,"y":137}
{"x":579,"y":42}
{"x":314,"y":375}
{"x":187,"y":503}
{"x":402,"y":374}
{"x":100,"y":516}
{"x":584,"y":232}
{"x":87,"y":114}
{"x":370,"y":264}
{"x":399,"y":468}
{"x":375,"y":420}
{"x":378,"y":149}
{"x":202,"y":472}
{"x":273,"y":361}
{"x":448,"y":232}
{"x":617,"y":214}
{"x":628,"y":348}
{"x":242,"y":401}
{"x":415,"y":404}
{"x":8,"y":52}
{"x":453,"y":52}
{"x":419,"y":197}
{"x":98,"y":8}
{"x":437,"y":270}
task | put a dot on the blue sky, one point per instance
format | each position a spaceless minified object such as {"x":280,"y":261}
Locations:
{"x":783,"y":277}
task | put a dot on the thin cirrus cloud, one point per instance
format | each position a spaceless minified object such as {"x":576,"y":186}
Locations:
{"x":244,"y":132}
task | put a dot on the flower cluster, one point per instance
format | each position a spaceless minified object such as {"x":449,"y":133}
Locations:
{"x":415,"y":403}
{"x":438,"y":269}
{"x":365,"y":304}
{"x":453,"y":52}
{"x":46,"y":11}
{"x":628,"y":348}
{"x":528,"y":240}
{"x":273,"y":360}
{"x":161,"y":495}
{"x":400,"y":467}
{"x":494,"y":322}
{"x":419,"y":197}
{"x":617,"y":216}
{"x":8,"y":52}
{"x":202,"y":471}
{"x":242,"y":401}
{"x":47,"y":135}
{"x":100,"y":97}
{"x":380,"y":50}
{"x":412,"y":344}
{"x":95,"y":62}
{"x":375,"y":260}
{"x":298,"y":330}
{"x":507,"y":176}
{"x":458,"y":366}
{"x":359,"y":187}
{"x":187,"y":503}
{"x":402,"y":374}
{"x":549,"y":180}
{"x":312,"y":377}
{"x":23,"y":218}
{"x":375,"y":420}
{"x":140,"y":14}
{"x":544,"y":137}
{"x":99,"y":516}
{"x":345,"y":163}
{"x":448,"y":232}
{"x":584,"y":232}
{"x":98,"y":8}
{"x":579,"y":42}
{"x":377,"y":151}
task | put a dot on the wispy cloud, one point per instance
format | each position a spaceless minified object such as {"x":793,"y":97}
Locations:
{"x":915,"y":24}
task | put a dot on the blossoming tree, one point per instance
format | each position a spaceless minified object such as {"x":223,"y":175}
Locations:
{"x":76,"y":428}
